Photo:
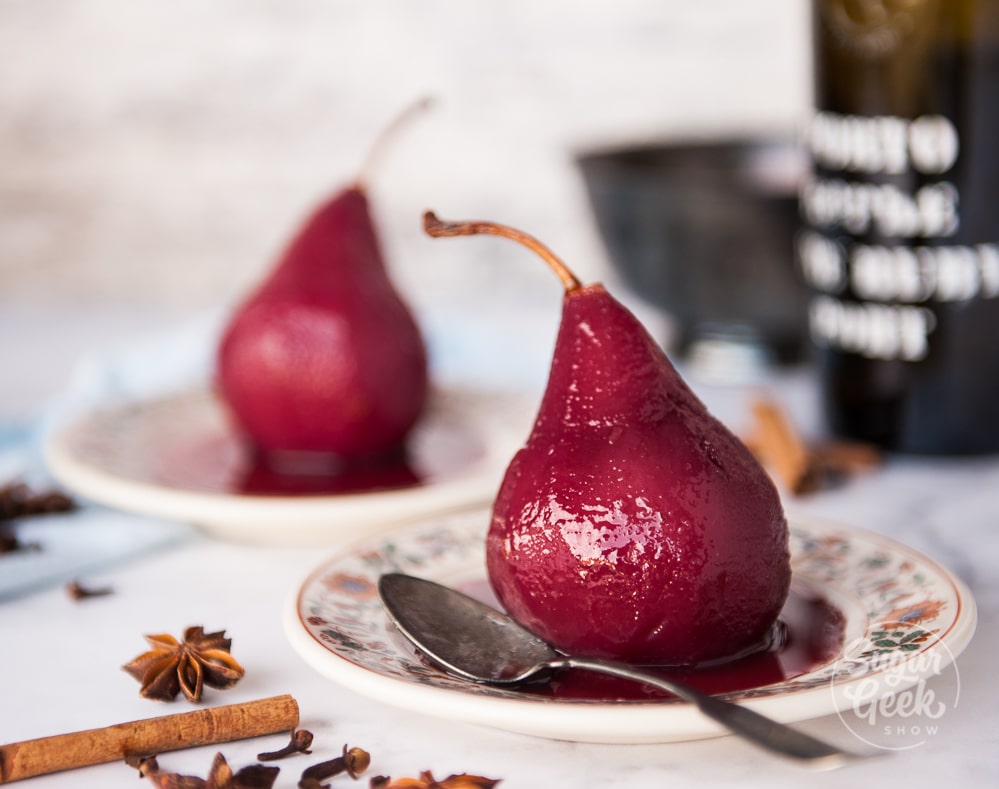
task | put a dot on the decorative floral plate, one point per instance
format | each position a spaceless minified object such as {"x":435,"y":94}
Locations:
{"x":179,"y":458}
{"x":897,"y":607}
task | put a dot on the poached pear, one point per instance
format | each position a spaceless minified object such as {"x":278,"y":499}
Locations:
{"x":633,"y":524}
{"x":324,"y":362}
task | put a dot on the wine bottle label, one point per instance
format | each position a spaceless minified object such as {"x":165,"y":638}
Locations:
{"x":898,"y":243}
{"x":880,"y":209}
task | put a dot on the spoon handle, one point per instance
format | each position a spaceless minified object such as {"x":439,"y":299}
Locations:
{"x":758,"y":729}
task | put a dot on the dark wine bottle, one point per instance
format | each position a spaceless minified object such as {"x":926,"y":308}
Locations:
{"x":900,"y":244}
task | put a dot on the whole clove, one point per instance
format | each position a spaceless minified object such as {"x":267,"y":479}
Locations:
{"x":300,"y":742}
{"x":145,"y":764}
{"x":78,"y":591}
{"x":352,"y":761}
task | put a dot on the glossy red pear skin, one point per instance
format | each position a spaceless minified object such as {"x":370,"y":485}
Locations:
{"x":633,"y":525}
{"x":325,"y":356}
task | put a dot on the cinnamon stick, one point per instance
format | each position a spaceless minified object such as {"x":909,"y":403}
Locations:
{"x":782,"y":448}
{"x":847,"y":456}
{"x":801,"y":467}
{"x":145,"y":737}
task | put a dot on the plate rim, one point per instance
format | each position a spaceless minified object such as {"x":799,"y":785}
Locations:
{"x":248,"y":517}
{"x":634,"y":716}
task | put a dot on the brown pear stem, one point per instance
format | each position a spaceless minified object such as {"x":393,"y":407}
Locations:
{"x":389,"y":133}
{"x":438,"y":229}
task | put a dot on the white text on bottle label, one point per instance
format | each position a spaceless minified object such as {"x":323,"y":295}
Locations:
{"x":879,"y":212}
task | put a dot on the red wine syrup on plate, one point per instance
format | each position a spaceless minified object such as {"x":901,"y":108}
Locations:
{"x":813,"y":630}
{"x":262,"y":478}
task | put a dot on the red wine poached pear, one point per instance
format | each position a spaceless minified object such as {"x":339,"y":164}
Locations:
{"x":632,"y":525}
{"x":324,"y":359}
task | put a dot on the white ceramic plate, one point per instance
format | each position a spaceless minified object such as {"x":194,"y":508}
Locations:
{"x":897,"y":606}
{"x":178,"y":458}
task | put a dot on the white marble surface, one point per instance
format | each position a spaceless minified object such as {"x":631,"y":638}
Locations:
{"x":153,"y":168}
{"x":60,"y":659}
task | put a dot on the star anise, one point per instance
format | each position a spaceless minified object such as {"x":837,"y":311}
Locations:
{"x":173,"y":666}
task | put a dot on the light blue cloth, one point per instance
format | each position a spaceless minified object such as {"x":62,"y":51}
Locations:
{"x":64,"y":547}
{"x":94,"y":538}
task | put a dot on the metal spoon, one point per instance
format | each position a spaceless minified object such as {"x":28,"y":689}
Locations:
{"x":472,"y":640}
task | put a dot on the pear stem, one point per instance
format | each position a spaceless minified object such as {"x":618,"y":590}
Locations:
{"x":377,"y":151}
{"x":439,"y":229}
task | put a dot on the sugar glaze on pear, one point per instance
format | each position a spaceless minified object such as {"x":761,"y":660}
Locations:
{"x":633,"y":524}
{"x":324,"y":362}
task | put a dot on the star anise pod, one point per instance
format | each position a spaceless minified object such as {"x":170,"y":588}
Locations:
{"x":427,"y":781}
{"x":173,"y":666}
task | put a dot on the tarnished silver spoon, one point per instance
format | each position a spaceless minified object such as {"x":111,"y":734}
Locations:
{"x":472,"y":640}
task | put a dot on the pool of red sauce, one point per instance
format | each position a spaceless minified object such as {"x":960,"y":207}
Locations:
{"x":814,"y":637}
{"x":259,"y":478}
{"x":216,"y":458}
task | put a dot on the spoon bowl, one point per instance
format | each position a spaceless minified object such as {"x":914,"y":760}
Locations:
{"x":470,"y":639}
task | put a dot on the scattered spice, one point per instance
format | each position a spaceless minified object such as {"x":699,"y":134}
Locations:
{"x":846,"y":457}
{"x":352,"y":761}
{"x":220,"y":776}
{"x":78,"y":591}
{"x":11,"y":543}
{"x":427,"y":781}
{"x":172,"y":666}
{"x":802,"y":468}
{"x":145,"y":764}
{"x":301,"y":741}
{"x":17,"y":500}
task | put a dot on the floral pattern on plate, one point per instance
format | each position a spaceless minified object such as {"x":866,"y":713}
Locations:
{"x":893,"y":600}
